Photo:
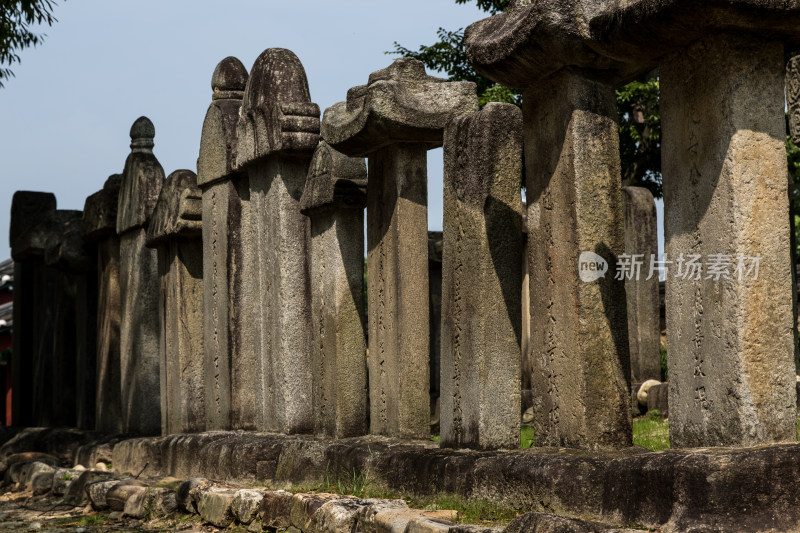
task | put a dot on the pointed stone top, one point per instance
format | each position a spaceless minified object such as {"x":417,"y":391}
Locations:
{"x":179,"y":210}
{"x":277,"y":114}
{"x":401,"y":103}
{"x":142,"y":134}
{"x":100,"y":210}
{"x":334,"y":181}
{"x":229,"y":76}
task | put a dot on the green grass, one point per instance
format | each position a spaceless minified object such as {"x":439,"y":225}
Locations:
{"x":651,"y":432}
{"x":526,"y":438}
{"x":92,"y":520}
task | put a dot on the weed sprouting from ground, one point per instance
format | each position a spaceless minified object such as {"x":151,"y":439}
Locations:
{"x":651,"y":432}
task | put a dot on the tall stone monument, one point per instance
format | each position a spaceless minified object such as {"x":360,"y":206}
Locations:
{"x":394,"y":120}
{"x":232,"y":372}
{"x":579,"y":340}
{"x":139,"y":285}
{"x":176,"y":232}
{"x":100,"y":227}
{"x":482,"y":280}
{"x":334,"y":200}
{"x":31,"y":284}
{"x":641,"y":244}
{"x":277,"y":132}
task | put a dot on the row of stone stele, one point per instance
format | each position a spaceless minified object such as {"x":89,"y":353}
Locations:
{"x":134,"y":501}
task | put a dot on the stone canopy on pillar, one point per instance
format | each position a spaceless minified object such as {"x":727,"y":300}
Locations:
{"x":179,"y":210}
{"x":100,"y":210}
{"x":334,"y":181}
{"x":400,"y":103}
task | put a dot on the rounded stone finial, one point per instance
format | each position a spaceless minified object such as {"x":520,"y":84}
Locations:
{"x":230,"y":75}
{"x":142,"y":134}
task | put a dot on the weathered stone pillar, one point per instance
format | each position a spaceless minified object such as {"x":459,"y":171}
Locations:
{"x":731,"y":346}
{"x":579,"y":340}
{"x":395,"y":120}
{"x":334,"y":200}
{"x":641,"y":244}
{"x":75,"y":318}
{"x":232,"y":373}
{"x":435,"y":243}
{"x":100,"y":227}
{"x":139,"y":334}
{"x":793,"y":105}
{"x":278,"y":131}
{"x":28,"y":209}
{"x":482,"y":280}
{"x":176,"y":232}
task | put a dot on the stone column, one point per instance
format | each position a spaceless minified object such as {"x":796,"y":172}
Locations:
{"x":100,"y":227}
{"x":75,"y":340}
{"x":176,"y":232}
{"x":579,"y":340}
{"x":277,"y":133}
{"x":393,"y":121}
{"x":138,"y":271}
{"x":793,"y":105}
{"x":334,"y":200}
{"x":482,"y":280}
{"x":27,"y":209}
{"x":730,"y":334}
{"x":641,"y":243}
{"x":435,"y":244}
{"x":232,"y":372}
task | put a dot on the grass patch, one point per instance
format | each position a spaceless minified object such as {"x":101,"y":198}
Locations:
{"x":470,"y":511}
{"x":526,"y":437}
{"x":92,"y":520}
{"x":651,"y":432}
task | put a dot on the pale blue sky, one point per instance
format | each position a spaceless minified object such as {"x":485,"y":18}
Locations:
{"x":66,"y":116}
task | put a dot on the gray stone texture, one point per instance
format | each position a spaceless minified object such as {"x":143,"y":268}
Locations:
{"x":334,"y":200}
{"x":75,"y":318}
{"x":99,"y":226}
{"x":793,"y":115}
{"x":278,"y":131}
{"x":579,"y":342}
{"x":27,"y":209}
{"x":482,"y":280}
{"x":139,"y":285}
{"x":176,"y":232}
{"x":394,"y":119}
{"x":435,"y":244}
{"x":231,"y":369}
{"x":731,"y":343}
{"x":641,"y":239}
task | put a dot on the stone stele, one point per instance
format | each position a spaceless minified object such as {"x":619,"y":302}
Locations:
{"x":393,"y":120}
{"x":139,"y":285}
{"x":334,"y":201}
{"x":176,"y":232}
{"x":482,"y":280}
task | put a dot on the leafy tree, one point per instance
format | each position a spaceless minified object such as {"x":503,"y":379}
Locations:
{"x":639,"y":119}
{"x":16,"y":19}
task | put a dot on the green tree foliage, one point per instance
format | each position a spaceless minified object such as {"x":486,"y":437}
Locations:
{"x":16,"y":21}
{"x":639,"y":119}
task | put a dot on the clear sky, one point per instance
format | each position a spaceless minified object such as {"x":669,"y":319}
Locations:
{"x":66,"y":116}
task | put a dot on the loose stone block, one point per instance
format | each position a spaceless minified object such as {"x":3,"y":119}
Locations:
{"x":482,"y":280}
{"x":277,"y":132}
{"x":729,"y":333}
{"x":139,"y":285}
{"x":27,"y":208}
{"x":232,"y":372}
{"x":74,"y":341}
{"x":99,"y":226}
{"x":579,"y":340}
{"x":176,"y":232}
{"x":641,"y":243}
{"x":334,"y":200}
{"x":394,"y":119}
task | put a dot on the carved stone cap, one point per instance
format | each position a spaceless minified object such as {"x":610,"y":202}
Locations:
{"x":66,"y":248}
{"x":334,"y":181}
{"x":100,"y":210}
{"x":218,"y":142}
{"x":141,"y":179}
{"x":612,"y":41}
{"x":178,"y":213}
{"x":36,"y":240}
{"x":277,"y":115}
{"x":28,"y":209}
{"x":400,"y":103}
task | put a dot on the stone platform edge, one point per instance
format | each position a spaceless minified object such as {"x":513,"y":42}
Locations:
{"x":746,"y":489}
